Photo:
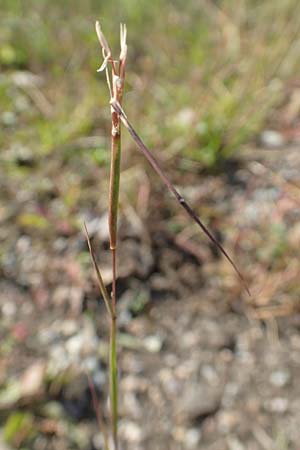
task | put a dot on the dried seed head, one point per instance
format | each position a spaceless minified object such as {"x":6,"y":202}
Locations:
{"x":104,"y":64}
{"x":106,"y":51}
{"x":108,"y":83}
{"x":102,"y":39}
{"x":123,"y":37}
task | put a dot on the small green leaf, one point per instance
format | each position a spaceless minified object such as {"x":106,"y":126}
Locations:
{"x":31,"y":220}
{"x":18,"y":427}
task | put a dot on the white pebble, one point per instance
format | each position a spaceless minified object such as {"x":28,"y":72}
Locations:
{"x":280,"y":378}
{"x":192,"y":438}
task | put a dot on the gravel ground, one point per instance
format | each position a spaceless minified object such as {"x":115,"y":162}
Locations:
{"x":203,"y":366}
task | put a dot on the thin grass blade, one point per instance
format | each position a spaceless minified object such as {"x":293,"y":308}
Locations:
{"x":100,"y":281}
{"x":157,"y":168}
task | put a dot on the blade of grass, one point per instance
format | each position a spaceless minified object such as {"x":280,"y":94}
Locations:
{"x":157,"y":168}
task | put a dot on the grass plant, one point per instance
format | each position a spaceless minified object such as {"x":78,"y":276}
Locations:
{"x":115,"y":76}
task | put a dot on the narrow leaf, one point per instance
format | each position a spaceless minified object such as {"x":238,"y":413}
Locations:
{"x":100,"y":281}
{"x":157,"y":168}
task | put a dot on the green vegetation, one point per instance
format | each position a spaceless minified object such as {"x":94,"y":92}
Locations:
{"x":208,"y":73}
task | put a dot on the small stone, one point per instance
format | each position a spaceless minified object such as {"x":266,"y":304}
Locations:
{"x":192,"y":438}
{"x":277,"y":405}
{"x":280,"y":378}
{"x":9,"y":309}
{"x":200,"y":401}
{"x":295,"y":341}
{"x":59,"y":360}
{"x":179,"y":434}
{"x":171,"y":360}
{"x":90,"y":364}
{"x":31,"y":382}
{"x":234,"y":443}
{"x":209,"y":373}
{"x":98,"y":442}
{"x":271,"y":139}
{"x":74,"y":344}
{"x":132,"y":405}
{"x":99,"y":378}
{"x":134,"y":383}
{"x":230,"y":393}
{"x":153,"y":343}
{"x":227,"y":421}
{"x":8,"y":118}
{"x":189,"y":339}
{"x":130,"y":431}
{"x":184,"y":117}
{"x":170,"y":383}
{"x":69,"y":327}
{"x":186,"y":369}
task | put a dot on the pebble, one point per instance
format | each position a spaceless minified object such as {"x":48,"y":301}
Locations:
{"x":209,"y":373}
{"x":171,"y":360}
{"x":184,"y":117}
{"x":90,"y":363}
{"x":230,"y":394}
{"x":132,"y":405}
{"x":58,"y":360}
{"x":153,"y":344}
{"x":74,"y":345}
{"x":235,"y":444}
{"x":192,"y":438}
{"x":170,"y":384}
{"x":280,"y":378}
{"x":199,"y":400}
{"x":277,"y":405}
{"x":69,"y":327}
{"x":227,"y":421}
{"x":134,"y":383}
{"x":271,"y":139}
{"x":9,"y":309}
{"x":130,"y":431}
{"x":8,"y":118}
{"x":32,"y":380}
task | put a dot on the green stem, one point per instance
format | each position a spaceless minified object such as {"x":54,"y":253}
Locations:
{"x":114,"y":380}
{"x":114,"y":184}
{"x":113,"y":219}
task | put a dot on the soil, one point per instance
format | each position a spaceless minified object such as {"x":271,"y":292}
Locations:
{"x":202,"y":364}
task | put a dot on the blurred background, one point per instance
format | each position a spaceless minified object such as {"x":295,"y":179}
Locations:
{"x":213,"y":88}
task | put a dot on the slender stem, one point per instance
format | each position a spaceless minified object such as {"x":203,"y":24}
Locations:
{"x":114,"y":356}
{"x":114,"y":183}
{"x":116,"y":86}
{"x":113,"y":363}
{"x":113,"y":219}
{"x":114,"y":281}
